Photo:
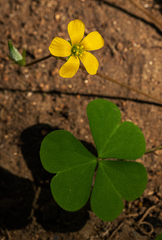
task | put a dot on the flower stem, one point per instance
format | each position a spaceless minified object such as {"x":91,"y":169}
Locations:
{"x":104,"y":77}
{"x":36,"y":61}
{"x":154,"y":19}
{"x":128,"y":87}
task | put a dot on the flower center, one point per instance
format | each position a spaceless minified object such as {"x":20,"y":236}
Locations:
{"x":77,"y":50}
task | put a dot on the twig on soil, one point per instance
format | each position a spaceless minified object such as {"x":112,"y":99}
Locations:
{"x":123,"y":221}
{"x":103,"y":234}
{"x":141,"y":222}
{"x":138,"y":224}
{"x":5,"y":232}
{"x":154,"y":19}
{"x":146,"y":213}
{"x":153,"y":149}
{"x":115,"y":231}
{"x":34,"y":204}
{"x":150,"y":225}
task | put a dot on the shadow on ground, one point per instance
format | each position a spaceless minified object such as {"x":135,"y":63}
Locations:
{"x":21,"y":199}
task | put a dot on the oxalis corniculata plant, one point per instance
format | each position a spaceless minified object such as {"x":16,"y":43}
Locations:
{"x":117,"y":143}
{"x":116,"y":179}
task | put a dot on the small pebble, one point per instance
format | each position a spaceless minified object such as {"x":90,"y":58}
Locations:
{"x":70,"y":86}
{"x":146,"y":5}
{"x":114,"y":22}
{"x":57,"y":17}
{"x":29,"y":94}
{"x":119,"y":46}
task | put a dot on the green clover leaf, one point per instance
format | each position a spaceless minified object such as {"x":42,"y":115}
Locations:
{"x":63,"y":154}
{"x":74,"y":165}
{"x":112,"y":139}
{"x":159,"y":237}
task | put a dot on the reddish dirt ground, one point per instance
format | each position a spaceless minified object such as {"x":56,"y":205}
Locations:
{"x":36,"y":100}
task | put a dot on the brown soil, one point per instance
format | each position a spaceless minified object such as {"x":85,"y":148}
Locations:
{"x":36,"y":100}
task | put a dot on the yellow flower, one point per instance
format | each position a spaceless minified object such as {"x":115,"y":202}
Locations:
{"x":76,"y":49}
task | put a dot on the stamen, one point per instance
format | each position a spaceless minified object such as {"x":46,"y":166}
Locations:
{"x":77,"y":50}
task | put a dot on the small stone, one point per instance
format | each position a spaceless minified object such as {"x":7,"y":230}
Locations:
{"x":119,"y":46}
{"x":150,"y":193}
{"x":29,"y":94}
{"x":54,"y":72}
{"x":114,"y":22}
{"x":57,"y":16}
{"x":34,"y":103}
{"x":5,"y":78}
{"x":1,"y":66}
{"x":40,"y":50}
{"x":70,"y":86}
{"x":41,"y":85}
{"x":46,"y":87}
{"x":146,"y":5}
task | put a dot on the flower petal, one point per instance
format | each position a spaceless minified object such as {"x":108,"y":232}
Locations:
{"x":60,"y":47}
{"x":90,"y":62}
{"x":92,"y":41}
{"x":69,"y":69}
{"x":76,"y":31}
